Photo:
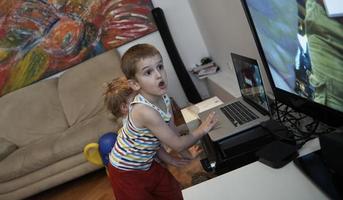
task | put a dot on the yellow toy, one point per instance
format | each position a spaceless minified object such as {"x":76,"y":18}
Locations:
{"x":92,"y":154}
{"x":97,"y":153}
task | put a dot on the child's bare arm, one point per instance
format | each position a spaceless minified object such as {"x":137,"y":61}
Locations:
{"x":169,"y":159}
{"x":184,"y":153}
{"x":144,"y":116}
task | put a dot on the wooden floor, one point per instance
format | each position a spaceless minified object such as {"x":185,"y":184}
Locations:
{"x":93,"y":186}
{"x":96,"y":186}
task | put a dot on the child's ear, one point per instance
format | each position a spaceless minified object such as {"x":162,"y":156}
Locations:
{"x":133,"y":84}
{"x":124,"y":108}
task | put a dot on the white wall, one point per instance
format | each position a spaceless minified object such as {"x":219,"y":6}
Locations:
{"x":225,"y":29}
{"x":184,"y":30}
{"x":186,"y":35}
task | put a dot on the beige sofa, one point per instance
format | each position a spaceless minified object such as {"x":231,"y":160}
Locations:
{"x":44,"y":127}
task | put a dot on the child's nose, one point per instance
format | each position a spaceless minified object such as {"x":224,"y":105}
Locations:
{"x":158,"y":74}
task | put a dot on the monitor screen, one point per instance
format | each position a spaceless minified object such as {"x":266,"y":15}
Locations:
{"x":250,"y":80}
{"x":302,"y":50}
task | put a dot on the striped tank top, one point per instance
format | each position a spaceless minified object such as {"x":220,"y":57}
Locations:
{"x":136,"y":148}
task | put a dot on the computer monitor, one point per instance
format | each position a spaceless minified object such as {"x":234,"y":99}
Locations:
{"x":302,"y":51}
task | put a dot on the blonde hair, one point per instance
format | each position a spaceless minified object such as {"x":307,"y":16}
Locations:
{"x":133,"y":55}
{"x":117,"y":92}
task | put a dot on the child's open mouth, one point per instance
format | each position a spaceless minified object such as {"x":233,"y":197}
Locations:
{"x":161,"y":85}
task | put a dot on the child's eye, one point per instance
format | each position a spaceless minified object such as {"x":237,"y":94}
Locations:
{"x":160,"y":67}
{"x":147,"y":72}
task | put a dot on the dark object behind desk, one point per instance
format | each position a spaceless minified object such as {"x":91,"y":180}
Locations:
{"x":240,"y":149}
{"x":331,"y":149}
{"x":325,"y":167}
{"x":313,"y":166}
{"x":235,"y":151}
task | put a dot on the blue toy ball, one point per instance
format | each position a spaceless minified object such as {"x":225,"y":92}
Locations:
{"x":106,"y":143}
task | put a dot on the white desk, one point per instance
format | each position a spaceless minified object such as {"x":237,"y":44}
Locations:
{"x":258,"y":181}
{"x":190,"y":114}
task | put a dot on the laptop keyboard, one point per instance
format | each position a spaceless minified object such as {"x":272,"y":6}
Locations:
{"x":238,"y":113}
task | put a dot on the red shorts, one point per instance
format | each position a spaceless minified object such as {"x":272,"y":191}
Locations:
{"x":155,"y":183}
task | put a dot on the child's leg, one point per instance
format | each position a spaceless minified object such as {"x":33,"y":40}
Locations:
{"x":130,"y":185}
{"x":167,"y":187}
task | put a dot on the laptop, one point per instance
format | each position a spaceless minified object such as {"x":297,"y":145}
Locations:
{"x":245,"y":112}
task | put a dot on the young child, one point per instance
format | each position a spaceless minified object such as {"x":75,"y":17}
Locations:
{"x":118,"y":96}
{"x":134,"y":173}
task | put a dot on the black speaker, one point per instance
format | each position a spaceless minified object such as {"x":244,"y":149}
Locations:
{"x":180,"y":69}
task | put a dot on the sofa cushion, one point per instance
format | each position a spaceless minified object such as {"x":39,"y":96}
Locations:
{"x":57,"y":147}
{"x":31,"y":113}
{"x":6,"y":147}
{"x":81,"y":88}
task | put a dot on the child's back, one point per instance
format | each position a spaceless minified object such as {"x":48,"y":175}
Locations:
{"x":136,"y":147}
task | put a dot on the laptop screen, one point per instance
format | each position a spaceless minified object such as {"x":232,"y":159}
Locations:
{"x":250,"y":80}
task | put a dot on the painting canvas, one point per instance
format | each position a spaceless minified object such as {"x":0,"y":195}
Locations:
{"x":39,"y":38}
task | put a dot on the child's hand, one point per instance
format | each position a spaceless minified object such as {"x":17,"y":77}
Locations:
{"x":195,"y":150}
{"x":191,"y":153}
{"x":208,"y":123}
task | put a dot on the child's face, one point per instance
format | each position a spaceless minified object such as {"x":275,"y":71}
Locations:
{"x":151,"y":77}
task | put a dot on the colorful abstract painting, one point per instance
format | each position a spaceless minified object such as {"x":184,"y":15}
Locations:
{"x":39,"y":38}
